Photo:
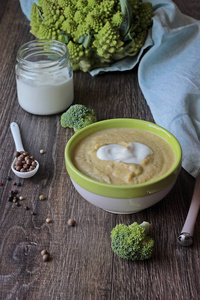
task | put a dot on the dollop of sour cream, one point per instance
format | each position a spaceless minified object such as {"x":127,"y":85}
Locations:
{"x":134,"y":154}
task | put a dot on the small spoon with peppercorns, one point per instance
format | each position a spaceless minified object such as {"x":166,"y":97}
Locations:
{"x":24,"y":165}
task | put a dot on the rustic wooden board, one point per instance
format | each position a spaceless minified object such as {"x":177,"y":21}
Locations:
{"x":83,"y":266}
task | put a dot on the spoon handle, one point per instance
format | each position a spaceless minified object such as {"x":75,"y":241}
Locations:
{"x":16,"y":136}
{"x":185,"y":238}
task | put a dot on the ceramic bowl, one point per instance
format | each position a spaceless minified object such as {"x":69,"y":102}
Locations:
{"x":123,"y":199}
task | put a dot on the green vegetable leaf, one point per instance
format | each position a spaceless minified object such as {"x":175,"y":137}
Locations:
{"x":127,"y":18}
{"x":41,"y":16}
{"x":66,"y":36}
{"x":131,"y":33}
{"x":81,"y":39}
{"x":87,"y":41}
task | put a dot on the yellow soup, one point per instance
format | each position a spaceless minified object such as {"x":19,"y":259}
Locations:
{"x":117,"y":171}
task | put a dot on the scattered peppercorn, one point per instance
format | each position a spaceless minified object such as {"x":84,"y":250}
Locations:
{"x":71,"y":222}
{"x":41,"y":197}
{"x":27,"y":208}
{"x":19,"y":184}
{"x":10,"y":198}
{"x":46,"y":257}
{"x":9,"y":178}
{"x":33,"y":213}
{"x":14,"y":183}
{"x":48,"y":220}
{"x":43,"y":252}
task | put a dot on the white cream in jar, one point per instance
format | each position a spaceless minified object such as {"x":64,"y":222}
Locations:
{"x":44,"y":77}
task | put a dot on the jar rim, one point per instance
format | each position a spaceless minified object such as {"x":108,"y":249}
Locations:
{"x":48,"y":53}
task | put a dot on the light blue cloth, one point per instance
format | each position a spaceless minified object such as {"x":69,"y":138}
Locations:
{"x":169,"y":76}
{"x":26,"y":6}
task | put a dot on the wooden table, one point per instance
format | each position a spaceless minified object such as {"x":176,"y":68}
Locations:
{"x":83,"y":266}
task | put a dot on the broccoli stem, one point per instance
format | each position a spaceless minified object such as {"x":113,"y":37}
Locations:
{"x":146,"y":226}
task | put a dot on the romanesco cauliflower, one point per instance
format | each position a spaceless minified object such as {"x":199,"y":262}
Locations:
{"x":97,"y":32}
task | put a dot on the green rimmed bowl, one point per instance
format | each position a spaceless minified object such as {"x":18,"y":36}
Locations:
{"x":123,"y":199}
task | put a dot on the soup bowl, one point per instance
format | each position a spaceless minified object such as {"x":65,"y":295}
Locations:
{"x":117,"y":198}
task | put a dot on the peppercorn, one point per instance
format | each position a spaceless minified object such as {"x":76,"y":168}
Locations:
{"x":27,"y":208}
{"x":46,"y":257}
{"x":48,"y":220}
{"x":24,"y":161}
{"x":10,"y":199}
{"x":16,"y":153}
{"x":43,"y":252}
{"x":14,"y":199}
{"x":28,"y":162}
{"x":9,"y":178}
{"x":31,"y":168}
{"x":71,"y":222}
{"x":18,"y":163}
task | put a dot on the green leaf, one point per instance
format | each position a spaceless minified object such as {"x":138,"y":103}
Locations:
{"x":81,"y":39}
{"x":40,"y":13}
{"x":127,"y":18}
{"x":66,"y":36}
{"x":87,"y":41}
{"x":131,"y":33}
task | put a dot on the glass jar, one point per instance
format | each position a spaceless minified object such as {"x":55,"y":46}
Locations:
{"x":44,"y":77}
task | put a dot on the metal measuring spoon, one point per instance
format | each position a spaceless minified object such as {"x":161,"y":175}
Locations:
{"x":19,"y":147}
{"x":186,"y":236}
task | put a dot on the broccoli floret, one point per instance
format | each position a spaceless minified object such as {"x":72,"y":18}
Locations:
{"x":132,"y":242}
{"x":77,"y":117}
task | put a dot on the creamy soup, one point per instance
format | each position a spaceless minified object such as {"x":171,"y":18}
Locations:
{"x":123,"y":156}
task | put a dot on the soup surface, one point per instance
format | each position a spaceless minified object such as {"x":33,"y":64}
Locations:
{"x":111,"y":167}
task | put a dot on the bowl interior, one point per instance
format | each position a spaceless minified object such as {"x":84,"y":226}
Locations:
{"x":123,"y":191}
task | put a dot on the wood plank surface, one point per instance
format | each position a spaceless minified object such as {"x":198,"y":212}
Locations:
{"x":83,"y":266}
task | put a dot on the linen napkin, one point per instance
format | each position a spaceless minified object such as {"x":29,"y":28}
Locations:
{"x":169,"y":76}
